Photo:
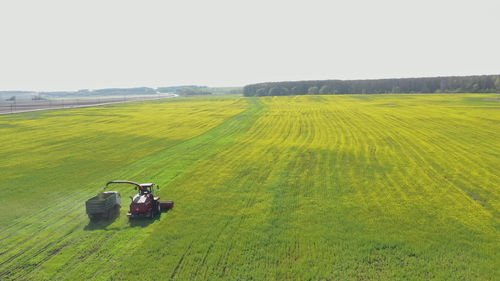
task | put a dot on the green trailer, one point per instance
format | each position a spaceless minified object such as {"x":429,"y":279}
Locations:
{"x":103,"y":205}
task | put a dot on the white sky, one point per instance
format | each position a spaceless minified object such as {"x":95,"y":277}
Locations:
{"x":69,"y":45}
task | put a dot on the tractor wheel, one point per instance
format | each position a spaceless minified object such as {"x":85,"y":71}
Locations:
{"x":158,"y":209}
{"x":150,"y":214}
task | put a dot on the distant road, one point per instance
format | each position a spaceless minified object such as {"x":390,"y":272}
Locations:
{"x":19,"y":106}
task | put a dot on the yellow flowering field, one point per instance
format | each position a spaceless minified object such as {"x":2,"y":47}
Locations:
{"x":347,"y":187}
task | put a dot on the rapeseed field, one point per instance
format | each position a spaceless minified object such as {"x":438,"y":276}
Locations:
{"x":348,"y":187}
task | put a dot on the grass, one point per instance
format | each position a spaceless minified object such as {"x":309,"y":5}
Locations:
{"x":371,"y":187}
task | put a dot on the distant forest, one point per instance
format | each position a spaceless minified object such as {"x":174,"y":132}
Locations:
{"x":175,"y":89}
{"x":452,"y":84}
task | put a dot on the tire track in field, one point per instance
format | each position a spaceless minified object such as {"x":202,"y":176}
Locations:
{"x":231,"y":161}
{"x":177,"y":267}
{"x":290,"y":161}
{"x":225,"y":133}
{"x":461,"y":153}
{"x":229,"y":153}
{"x":45,"y":228}
{"x":373,"y":131}
{"x":210,"y":169}
{"x":288,"y":156}
{"x":277,"y":141}
{"x":45,"y":215}
{"x":354,"y":141}
{"x":434,"y":174}
{"x":396,"y":187}
{"x":410,"y":154}
{"x":56,"y":223}
{"x":34,"y":253}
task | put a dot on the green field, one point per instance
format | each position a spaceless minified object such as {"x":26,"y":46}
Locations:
{"x":361,"y":187}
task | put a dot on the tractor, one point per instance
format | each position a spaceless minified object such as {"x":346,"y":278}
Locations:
{"x":145,"y":203}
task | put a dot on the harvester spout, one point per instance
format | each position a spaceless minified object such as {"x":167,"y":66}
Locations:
{"x":120,"y":181}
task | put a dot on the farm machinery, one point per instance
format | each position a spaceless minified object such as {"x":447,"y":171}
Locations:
{"x":103,"y":205}
{"x":145,"y":203}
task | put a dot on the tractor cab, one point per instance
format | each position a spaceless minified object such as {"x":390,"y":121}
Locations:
{"x":146,"y":188}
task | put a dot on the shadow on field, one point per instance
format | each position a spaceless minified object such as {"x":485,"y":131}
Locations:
{"x":102,"y":223}
{"x":143,"y":222}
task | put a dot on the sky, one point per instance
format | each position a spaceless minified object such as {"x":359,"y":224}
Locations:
{"x":69,"y":45}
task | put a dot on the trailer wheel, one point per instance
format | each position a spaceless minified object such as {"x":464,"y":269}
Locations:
{"x":116,"y":210}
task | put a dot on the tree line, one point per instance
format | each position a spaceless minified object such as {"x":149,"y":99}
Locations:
{"x":176,"y":89}
{"x":452,"y":84}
